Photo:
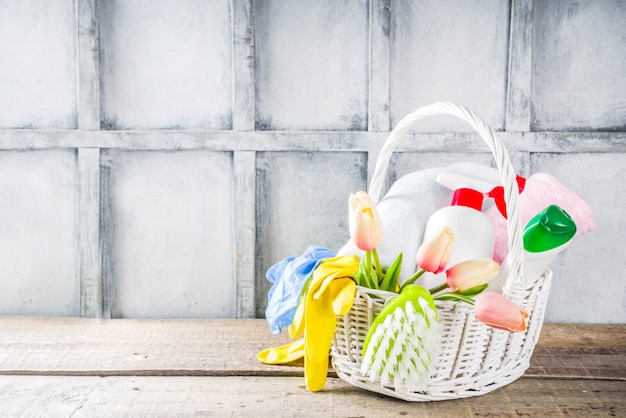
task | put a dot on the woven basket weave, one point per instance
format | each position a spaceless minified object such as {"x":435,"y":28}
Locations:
{"x":472,"y":359}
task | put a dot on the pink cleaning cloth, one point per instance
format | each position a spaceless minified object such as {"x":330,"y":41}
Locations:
{"x":540,"y":191}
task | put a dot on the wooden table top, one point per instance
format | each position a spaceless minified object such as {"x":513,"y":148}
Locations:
{"x":122,"y":367}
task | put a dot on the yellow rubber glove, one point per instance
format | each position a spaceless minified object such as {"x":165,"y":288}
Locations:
{"x":330,"y":293}
{"x":284,"y":354}
{"x":320,"y":321}
{"x":323,"y":275}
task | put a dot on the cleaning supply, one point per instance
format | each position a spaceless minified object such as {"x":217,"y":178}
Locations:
{"x":288,"y":277}
{"x":329,"y":292}
{"x":479,"y":177}
{"x":541,"y":190}
{"x":545,"y":236}
{"x":474,"y":235}
{"x":402,"y":342}
{"x":284,"y":354}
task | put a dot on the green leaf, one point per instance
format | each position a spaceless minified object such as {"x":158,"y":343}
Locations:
{"x":454,"y":296}
{"x":364,"y":275}
{"x":474,"y":291}
{"x":358,"y":277}
{"x":373,"y":279}
{"x":392,"y":275}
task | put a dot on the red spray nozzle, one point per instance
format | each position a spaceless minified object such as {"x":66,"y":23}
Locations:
{"x":469,"y":198}
{"x":497,"y":193}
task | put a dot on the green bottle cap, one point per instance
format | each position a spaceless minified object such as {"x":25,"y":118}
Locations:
{"x":550,"y":228}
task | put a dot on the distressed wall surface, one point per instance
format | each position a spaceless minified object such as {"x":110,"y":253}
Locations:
{"x":156,"y":158}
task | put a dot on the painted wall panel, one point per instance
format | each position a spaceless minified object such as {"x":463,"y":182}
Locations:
{"x":166,"y":65}
{"x":185,"y":224}
{"x":302,"y":200}
{"x":449,"y":51}
{"x":311,"y":65}
{"x":579,"y":65}
{"x":588,"y":284}
{"x":39,"y":233}
{"x":170,"y":234}
{"x":38,"y":64}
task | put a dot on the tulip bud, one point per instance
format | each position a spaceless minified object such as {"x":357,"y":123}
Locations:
{"x":471,"y":273}
{"x":366,"y":228}
{"x":499,"y":312}
{"x":433,"y":255}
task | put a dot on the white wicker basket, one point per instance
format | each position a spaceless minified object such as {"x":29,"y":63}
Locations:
{"x":473,"y":359}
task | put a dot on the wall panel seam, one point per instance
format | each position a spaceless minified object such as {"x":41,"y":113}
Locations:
{"x":518,"y":99}
{"x":90,"y":299}
{"x":379,"y":62}
{"x":243,"y":66}
{"x":308,"y":141}
{"x":88,"y":65}
{"x":244,"y":167}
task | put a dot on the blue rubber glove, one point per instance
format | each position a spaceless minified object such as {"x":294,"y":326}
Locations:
{"x":289,"y":277}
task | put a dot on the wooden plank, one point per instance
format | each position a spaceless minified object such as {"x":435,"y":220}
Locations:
{"x":90,"y":303}
{"x":88,"y":65}
{"x":245,"y":232}
{"x":287,"y":396}
{"x":520,"y":67}
{"x":580,"y":350}
{"x":80,"y":346}
{"x":243,"y":66}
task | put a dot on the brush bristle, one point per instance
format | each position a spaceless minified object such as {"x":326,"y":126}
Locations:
{"x":402,"y":348}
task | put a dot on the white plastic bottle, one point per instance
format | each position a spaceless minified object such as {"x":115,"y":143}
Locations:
{"x":474,"y":234}
{"x":545,"y":236}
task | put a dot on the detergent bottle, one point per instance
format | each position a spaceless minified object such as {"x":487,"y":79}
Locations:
{"x":545,"y":236}
{"x":474,"y":234}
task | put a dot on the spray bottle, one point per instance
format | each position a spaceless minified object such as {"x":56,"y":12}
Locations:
{"x":474,"y":235}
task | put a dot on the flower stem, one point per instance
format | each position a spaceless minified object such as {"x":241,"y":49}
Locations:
{"x":438,"y":289}
{"x":413,"y":278}
{"x":368,"y":261}
{"x":379,"y":270}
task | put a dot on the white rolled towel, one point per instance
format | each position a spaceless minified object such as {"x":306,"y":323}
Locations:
{"x":404,"y":211}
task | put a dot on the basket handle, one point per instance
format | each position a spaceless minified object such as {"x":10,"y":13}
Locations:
{"x":515,"y":282}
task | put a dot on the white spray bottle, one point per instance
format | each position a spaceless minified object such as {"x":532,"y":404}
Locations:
{"x":474,"y":234}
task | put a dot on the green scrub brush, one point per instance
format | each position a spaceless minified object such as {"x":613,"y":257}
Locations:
{"x":402,"y":342}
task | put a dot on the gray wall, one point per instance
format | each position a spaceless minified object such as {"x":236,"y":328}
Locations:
{"x":156,"y":157}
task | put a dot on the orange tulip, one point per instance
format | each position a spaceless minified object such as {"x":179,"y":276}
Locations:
{"x":366,"y":228}
{"x":497,"y":311}
{"x":471,"y":273}
{"x":434,"y":254}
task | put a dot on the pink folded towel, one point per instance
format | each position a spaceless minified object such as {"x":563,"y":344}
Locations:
{"x":540,"y":191}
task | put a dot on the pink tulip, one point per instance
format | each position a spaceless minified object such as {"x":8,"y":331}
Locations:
{"x":499,"y":312}
{"x":366,"y":228}
{"x":471,"y":273}
{"x":433,"y":255}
